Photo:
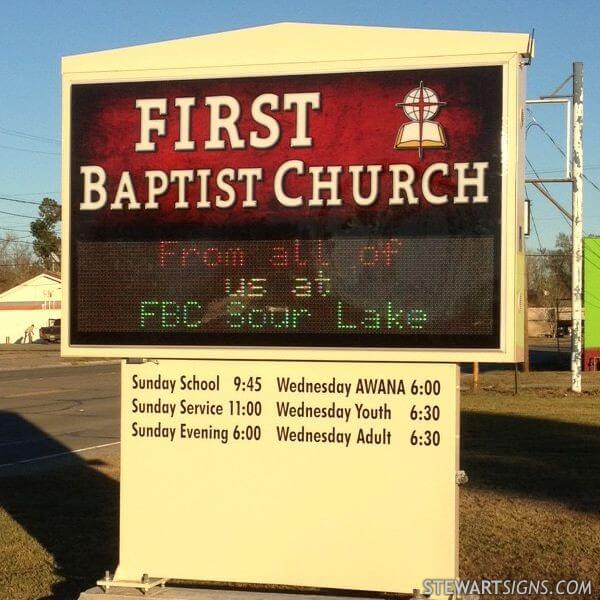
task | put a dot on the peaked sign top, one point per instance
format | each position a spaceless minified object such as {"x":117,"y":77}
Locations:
{"x":299,"y":43}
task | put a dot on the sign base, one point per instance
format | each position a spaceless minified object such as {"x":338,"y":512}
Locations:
{"x":171,"y":593}
{"x":285,"y":473}
{"x":146,"y":584}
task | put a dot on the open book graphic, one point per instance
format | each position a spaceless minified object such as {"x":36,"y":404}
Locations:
{"x":432,"y":135}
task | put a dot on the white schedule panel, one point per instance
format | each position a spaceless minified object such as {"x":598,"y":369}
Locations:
{"x":335,"y":475}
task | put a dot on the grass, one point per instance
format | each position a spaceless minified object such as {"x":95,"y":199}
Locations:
{"x":58,"y":530}
{"x":532,"y":507}
{"x":530,"y":510}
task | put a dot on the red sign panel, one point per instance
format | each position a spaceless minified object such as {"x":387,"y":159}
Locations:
{"x":357,"y":209}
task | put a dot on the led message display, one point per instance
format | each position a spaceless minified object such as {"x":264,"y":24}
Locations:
{"x":356,"y":209}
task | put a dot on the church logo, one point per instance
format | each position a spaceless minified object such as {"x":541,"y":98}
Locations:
{"x":420,"y":105}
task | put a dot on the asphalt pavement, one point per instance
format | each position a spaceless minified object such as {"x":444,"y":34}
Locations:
{"x":50,"y":412}
{"x":57,"y":409}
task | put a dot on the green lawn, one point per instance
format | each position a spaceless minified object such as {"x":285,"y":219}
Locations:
{"x":58,"y":530}
{"x":532,"y":506}
{"x":530,"y":510}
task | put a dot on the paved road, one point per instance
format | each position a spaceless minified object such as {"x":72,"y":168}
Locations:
{"x":57,"y":410}
{"x":49,"y":411}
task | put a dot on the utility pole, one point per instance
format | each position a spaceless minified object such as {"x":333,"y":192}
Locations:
{"x":573,"y":175}
{"x":525,"y":363}
{"x":577,"y":227}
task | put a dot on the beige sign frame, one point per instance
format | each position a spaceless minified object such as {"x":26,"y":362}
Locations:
{"x":374,"y":517}
{"x":311,"y":49}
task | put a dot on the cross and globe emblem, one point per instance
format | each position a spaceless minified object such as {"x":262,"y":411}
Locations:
{"x":420,"y":105}
{"x":420,"y":100}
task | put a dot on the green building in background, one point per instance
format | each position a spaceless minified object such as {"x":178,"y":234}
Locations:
{"x":591,"y":303}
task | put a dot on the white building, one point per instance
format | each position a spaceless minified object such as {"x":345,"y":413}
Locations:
{"x":32,"y":302}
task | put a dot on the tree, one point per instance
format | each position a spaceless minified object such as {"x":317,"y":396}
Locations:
{"x":17,"y":262}
{"x":537,"y":280}
{"x":44,"y":231}
{"x":549,"y":278}
{"x":559,"y":266}
{"x":559,"y":269}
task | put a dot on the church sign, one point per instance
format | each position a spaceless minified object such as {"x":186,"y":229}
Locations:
{"x":302,"y":249}
{"x":357,"y":209}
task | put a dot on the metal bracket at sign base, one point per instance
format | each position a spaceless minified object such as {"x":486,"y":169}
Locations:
{"x":145,"y":585}
{"x":140,"y":361}
{"x":461,"y":477}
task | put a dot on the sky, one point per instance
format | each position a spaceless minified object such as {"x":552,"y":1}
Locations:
{"x":35,"y":35}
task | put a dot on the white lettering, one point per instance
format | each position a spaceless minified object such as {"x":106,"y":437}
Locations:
{"x":203,"y":175}
{"x":185,"y":106}
{"x":373,"y":171}
{"x":250,"y":176}
{"x":477,"y":181}
{"x":331,"y":186}
{"x":427,"y":175}
{"x":157,"y":186}
{"x":223,"y":177}
{"x":148,"y":125}
{"x":94,"y":178}
{"x":272,"y":101}
{"x":182,"y":178}
{"x":282,"y":171}
{"x":302,"y":101}
{"x":125,"y":191}
{"x":403,"y":178}
{"x":228,"y":122}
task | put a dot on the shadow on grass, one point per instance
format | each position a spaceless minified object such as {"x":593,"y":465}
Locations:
{"x":537,"y":458}
{"x":70,"y":508}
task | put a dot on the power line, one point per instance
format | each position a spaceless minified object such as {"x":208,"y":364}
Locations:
{"x":19,"y":201}
{"x":557,"y":146}
{"x":31,"y":193}
{"x":11,"y":229}
{"x":535,"y":227}
{"x":28,"y":136}
{"x":549,"y":218}
{"x":15,"y":241}
{"x":548,"y":171}
{"x":3,"y":212}
{"x":24,"y":201}
{"x":543,"y":186}
{"x":29,"y":150}
{"x":554,"y":142}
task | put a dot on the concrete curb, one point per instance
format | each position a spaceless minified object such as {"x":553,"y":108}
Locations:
{"x":60,"y":365}
{"x":30,"y":347}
